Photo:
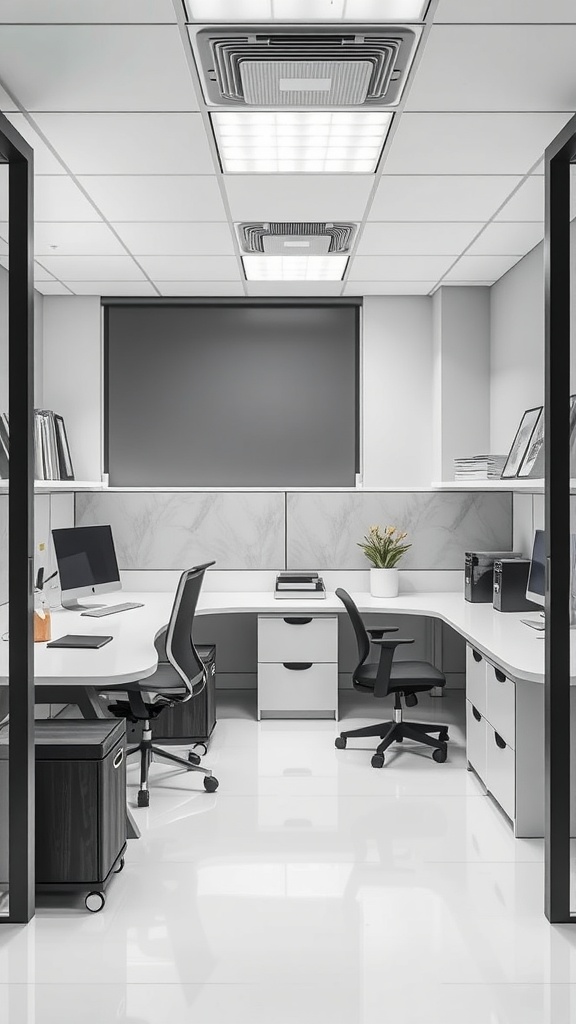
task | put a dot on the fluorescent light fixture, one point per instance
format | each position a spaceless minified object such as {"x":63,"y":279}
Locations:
{"x":377,"y":11}
{"x":294,"y":268}
{"x":307,"y":142}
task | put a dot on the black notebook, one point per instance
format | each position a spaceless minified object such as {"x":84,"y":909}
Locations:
{"x":80,"y":640}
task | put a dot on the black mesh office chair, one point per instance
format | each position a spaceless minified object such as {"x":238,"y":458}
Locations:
{"x":181,"y":678}
{"x":402,"y":678}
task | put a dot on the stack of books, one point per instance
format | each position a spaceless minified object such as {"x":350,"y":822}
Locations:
{"x":52,"y":459}
{"x":479,"y":467}
{"x":299,"y":584}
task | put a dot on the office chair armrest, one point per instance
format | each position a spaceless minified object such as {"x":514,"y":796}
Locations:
{"x":387,"y":651}
{"x":376,"y":634}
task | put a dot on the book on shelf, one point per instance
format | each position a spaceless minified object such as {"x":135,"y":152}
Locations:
{"x":52,"y":460}
{"x":479,"y":467}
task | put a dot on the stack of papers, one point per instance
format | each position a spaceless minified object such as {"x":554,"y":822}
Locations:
{"x":479,"y":467}
{"x":299,"y":584}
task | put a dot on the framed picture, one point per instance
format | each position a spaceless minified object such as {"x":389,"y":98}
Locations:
{"x":64,"y":457}
{"x":521,"y":441}
{"x":533,"y":462}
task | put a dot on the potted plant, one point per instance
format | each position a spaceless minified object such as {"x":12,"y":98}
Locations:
{"x":384,"y":548}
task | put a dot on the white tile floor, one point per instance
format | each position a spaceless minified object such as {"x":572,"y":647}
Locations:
{"x":310,"y":889}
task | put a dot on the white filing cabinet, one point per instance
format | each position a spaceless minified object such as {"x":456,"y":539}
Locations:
{"x":297,"y":666}
{"x":505,"y":742}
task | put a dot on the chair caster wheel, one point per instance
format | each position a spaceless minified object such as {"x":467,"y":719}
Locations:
{"x":193,"y":758}
{"x":443,"y":736}
{"x":377,"y":761}
{"x":340,"y":743}
{"x":120,"y":867}
{"x":94,"y":901}
{"x":143,"y":798}
{"x":399,"y":739}
{"x":440,"y":754}
{"x":210,"y":784}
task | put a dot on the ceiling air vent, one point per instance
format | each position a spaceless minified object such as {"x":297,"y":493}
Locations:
{"x":296,"y":239}
{"x":255,"y":67}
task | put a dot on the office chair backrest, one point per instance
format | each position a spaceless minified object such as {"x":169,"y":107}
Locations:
{"x":180,"y":649}
{"x":362,"y":638}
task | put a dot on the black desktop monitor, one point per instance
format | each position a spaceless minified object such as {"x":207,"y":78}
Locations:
{"x":535,"y":587}
{"x":86,"y":562}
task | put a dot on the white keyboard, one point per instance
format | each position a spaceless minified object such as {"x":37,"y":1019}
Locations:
{"x":111,"y":609}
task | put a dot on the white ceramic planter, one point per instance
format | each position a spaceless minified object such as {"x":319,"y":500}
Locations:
{"x":384,"y":582}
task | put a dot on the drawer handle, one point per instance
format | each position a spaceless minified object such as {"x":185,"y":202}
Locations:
{"x":499,"y":675}
{"x":297,"y":621}
{"x":499,"y":741}
{"x":476,"y":656}
{"x":476,"y":714}
{"x":297,"y":666}
{"x":119,"y":758}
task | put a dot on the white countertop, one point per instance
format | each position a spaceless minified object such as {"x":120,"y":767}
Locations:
{"x":501,"y":637}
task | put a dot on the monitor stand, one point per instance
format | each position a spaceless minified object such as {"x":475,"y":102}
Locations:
{"x":72,"y":605}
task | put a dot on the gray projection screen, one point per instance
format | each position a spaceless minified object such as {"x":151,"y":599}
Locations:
{"x":231,"y":395}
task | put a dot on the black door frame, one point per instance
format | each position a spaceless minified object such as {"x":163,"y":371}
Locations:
{"x":17,"y":154}
{"x":559,"y":156}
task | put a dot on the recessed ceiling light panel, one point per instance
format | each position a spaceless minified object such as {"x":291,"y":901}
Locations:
{"x":310,"y":10}
{"x":306,"y":142}
{"x":294,"y":268}
{"x":317,"y":67}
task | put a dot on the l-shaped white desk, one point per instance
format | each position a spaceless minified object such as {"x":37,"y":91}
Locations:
{"x":505,"y":673}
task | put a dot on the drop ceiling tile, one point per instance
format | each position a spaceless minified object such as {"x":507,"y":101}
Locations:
{"x":122,"y":288}
{"x":298,"y":197}
{"x":99,"y":67}
{"x":389,"y":287}
{"x":44,"y":160}
{"x":393,"y":238}
{"x":307,"y":288}
{"x":496,"y":67}
{"x":186,"y":239}
{"x":471,"y":143}
{"x":421,"y":197}
{"x":41,"y":274}
{"x":57,"y":197}
{"x":171,"y":143}
{"x":199,"y":288}
{"x":527,"y":203}
{"x":51,"y":288}
{"x":75,"y":11}
{"x":507,"y":239}
{"x":76,"y":239}
{"x":485,"y":269}
{"x":505,"y":11}
{"x":156,"y":197}
{"x":93,"y":268}
{"x":399,"y":268}
{"x":191,"y":268}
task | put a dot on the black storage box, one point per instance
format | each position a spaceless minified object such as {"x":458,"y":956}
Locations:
{"x":478,"y":574}
{"x":510,"y":580}
{"x":80,"y":804}
{"x":188,"y":722}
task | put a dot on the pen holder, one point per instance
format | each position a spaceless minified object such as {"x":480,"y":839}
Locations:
{"x":42,"y":621}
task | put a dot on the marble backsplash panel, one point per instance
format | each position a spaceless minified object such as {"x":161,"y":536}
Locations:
{"x":173,"y":530}
{"x":323,"y":528}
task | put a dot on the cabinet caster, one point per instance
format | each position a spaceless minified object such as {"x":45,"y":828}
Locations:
{"x":143,"y":798}
{"x":377,"y":761}
{"x":94,"y":901}
{"x":340,"y":743}
{"x":440,"y":754}
{"x":399,"y":739}
{"x":443,"y":736}
{"x":193,"y":758}
{"x":120,"y":866}
{"x":210,"y":784}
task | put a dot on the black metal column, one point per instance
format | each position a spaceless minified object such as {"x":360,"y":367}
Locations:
{"x":557,"y":523}
{"x":16,"y":152}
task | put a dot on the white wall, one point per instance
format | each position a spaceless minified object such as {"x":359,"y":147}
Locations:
{"x":73,"y":376}
{"x":397,"y":391}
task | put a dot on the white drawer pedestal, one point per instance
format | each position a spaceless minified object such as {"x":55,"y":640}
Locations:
{"x":297,"y":666}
